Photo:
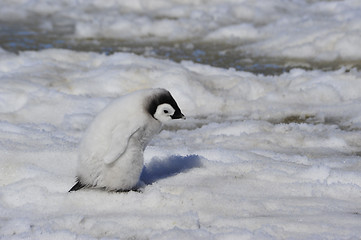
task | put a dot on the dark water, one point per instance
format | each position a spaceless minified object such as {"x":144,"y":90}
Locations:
{"x":16,"y":37}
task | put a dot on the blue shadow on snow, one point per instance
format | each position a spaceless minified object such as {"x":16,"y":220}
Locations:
{"x":163,"y":168}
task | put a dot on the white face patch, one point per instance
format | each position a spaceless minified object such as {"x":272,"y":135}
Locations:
{"x":164,"y":112}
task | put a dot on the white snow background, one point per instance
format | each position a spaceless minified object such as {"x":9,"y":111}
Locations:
{"x":259,"y":157}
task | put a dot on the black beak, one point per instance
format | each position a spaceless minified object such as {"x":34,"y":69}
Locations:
{"x":178,"y":115}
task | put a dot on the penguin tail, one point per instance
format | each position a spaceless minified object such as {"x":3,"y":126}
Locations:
{"x":78,"y":185}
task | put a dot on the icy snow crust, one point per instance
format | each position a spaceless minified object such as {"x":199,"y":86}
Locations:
{"x":258,"y":156}
{"x":322,"y":30}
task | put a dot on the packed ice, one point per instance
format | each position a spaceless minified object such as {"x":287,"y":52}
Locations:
{"x":259,"y":156}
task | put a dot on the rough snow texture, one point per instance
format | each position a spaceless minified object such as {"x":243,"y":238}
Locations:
{"x":300,"y":29}
{"x":259,"y":157}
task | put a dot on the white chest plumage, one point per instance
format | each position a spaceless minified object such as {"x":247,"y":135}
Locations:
{"x":111,"y":151}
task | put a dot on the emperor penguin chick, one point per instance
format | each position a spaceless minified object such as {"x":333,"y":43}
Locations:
{"x":111,"y":151}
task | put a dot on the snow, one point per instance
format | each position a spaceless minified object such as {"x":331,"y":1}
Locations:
{"x":259,"y":157}
{"x":324,"y":31}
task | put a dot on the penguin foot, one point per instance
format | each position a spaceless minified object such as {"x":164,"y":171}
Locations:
{"x":139,"y":190}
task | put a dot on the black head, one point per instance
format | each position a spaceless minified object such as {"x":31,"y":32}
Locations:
{"x":163,"y":107}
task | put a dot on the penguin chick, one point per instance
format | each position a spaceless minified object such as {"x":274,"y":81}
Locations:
{"x":111,"y":151}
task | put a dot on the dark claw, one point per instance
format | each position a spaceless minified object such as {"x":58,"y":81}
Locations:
{"x":135,"y":189}
{"x":78,"y":185}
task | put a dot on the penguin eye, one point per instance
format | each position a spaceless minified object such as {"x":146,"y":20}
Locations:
{"x":165,"y":111}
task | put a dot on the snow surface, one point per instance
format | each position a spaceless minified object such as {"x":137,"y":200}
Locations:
{"x":259,"y":157}
{"x":299,"y":29}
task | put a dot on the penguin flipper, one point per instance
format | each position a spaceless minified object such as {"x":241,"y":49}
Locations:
{"x":78,"y":185}
{"x":119,"y":141}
